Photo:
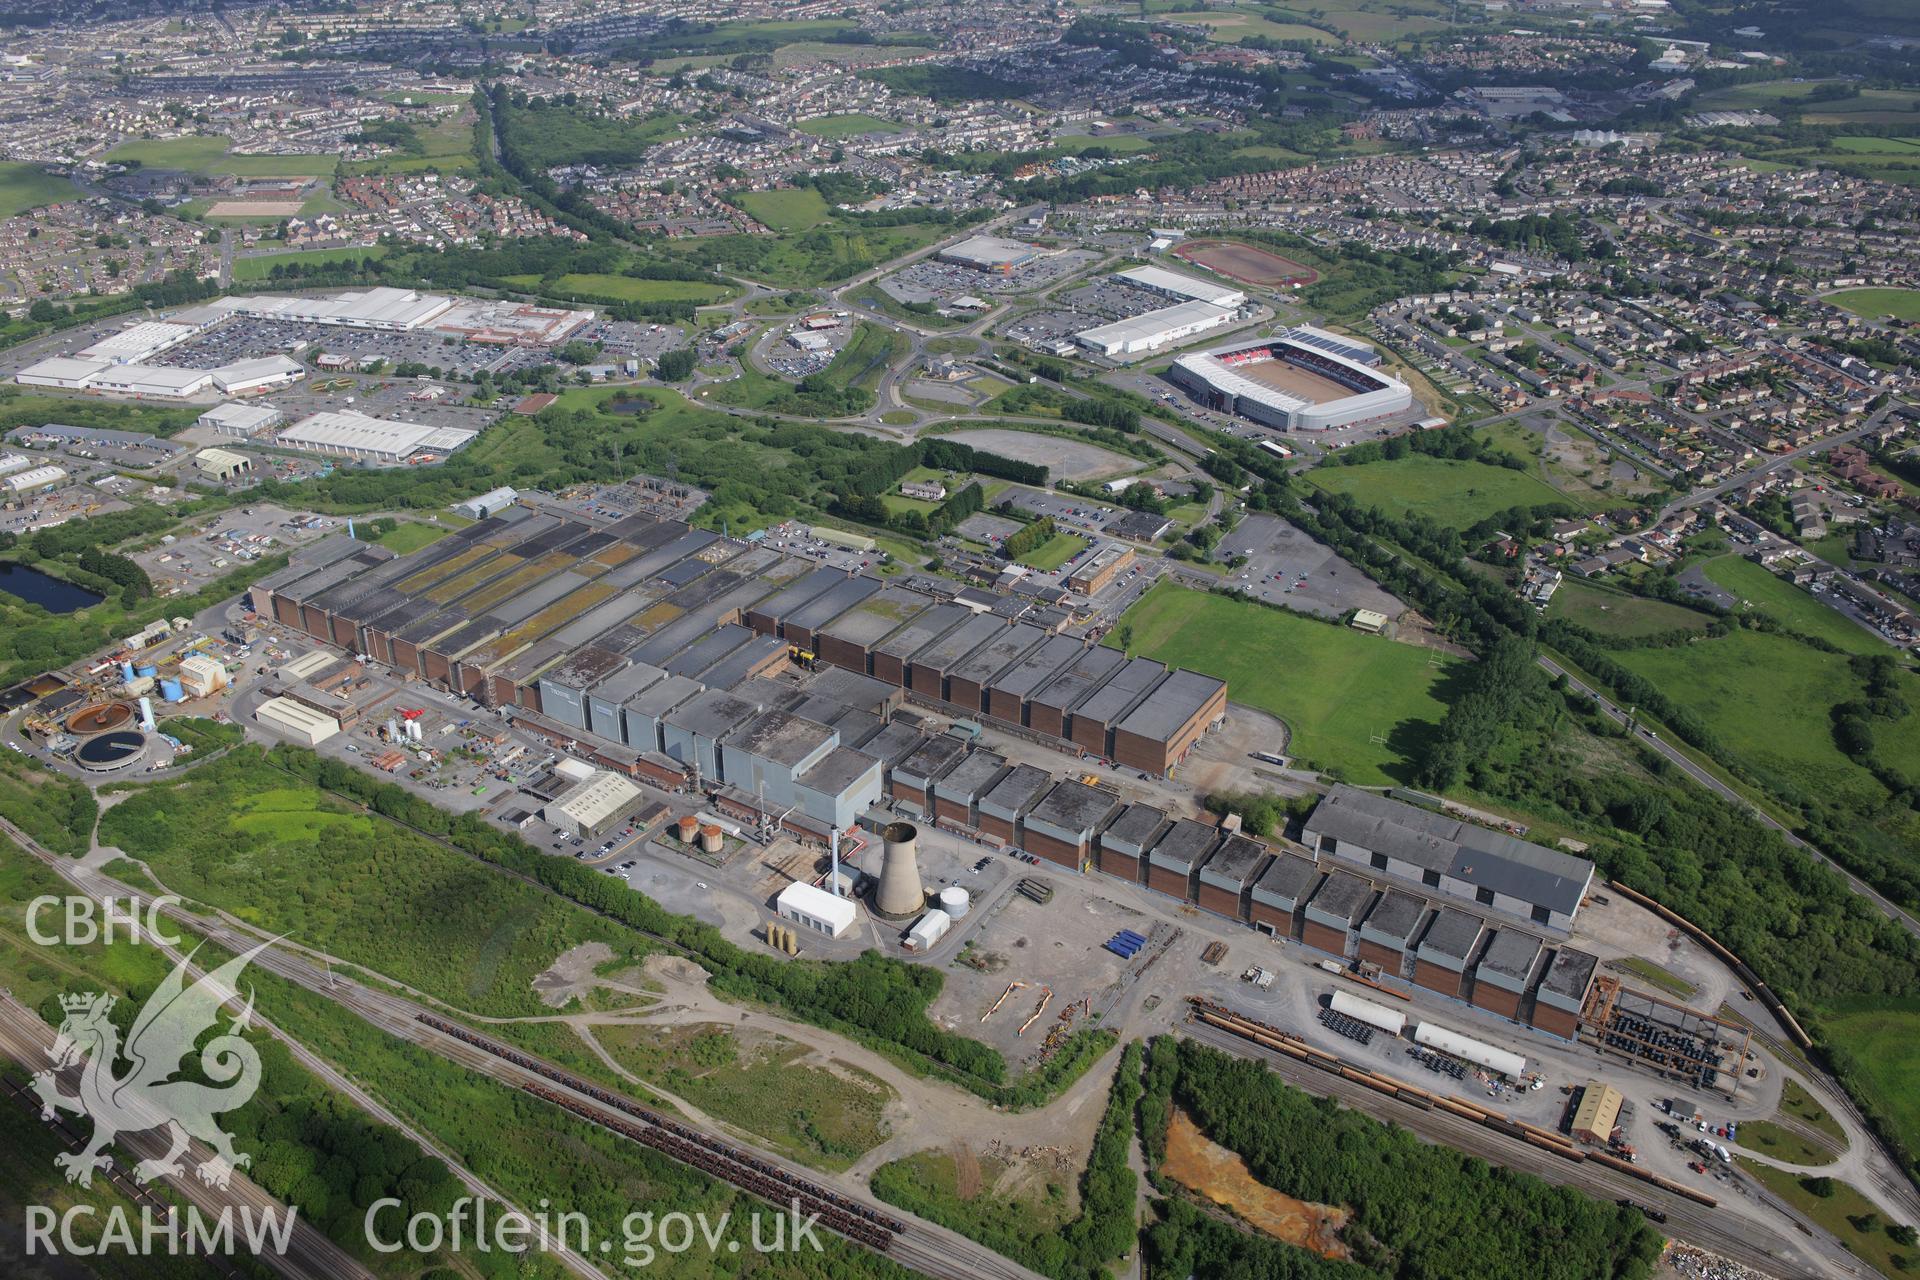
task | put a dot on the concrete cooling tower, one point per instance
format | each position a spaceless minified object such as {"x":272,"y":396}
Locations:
{"x":900,"y":894}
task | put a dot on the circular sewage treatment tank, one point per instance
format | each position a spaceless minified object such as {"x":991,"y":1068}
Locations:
{"x":113,"y":750}
{"x":101,"y":717}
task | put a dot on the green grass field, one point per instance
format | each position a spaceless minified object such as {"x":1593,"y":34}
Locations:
{"x":1785,"y":737}
{"x":789,"y":209}
{"x":409,"y":537}
{"x":1797,"y":610}
{"x":626,"y":288}
{"x":286,"y":856}
{"x":1336,"y":688}
{"x":1838,"y":1213}
{"x":27,"y":186}
{"x":832,"y":252}
{"x":1615,"y":613}
{"x":851,"y":125}
{"x":1452,"y":492}
{"x":1764,"y":1137}
{"x":209,"y":155}
{"x":260,"y":267}
{"x":1054,"y":552}
{"x":1901,"y":304}
{"x":1884,"y":1038}
{"x":1232,"y":28}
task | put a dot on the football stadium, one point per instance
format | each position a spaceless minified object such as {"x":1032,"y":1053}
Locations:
{"x":1305,"y":379}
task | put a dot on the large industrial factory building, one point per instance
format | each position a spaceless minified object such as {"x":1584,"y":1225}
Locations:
{"x":651,"y":642}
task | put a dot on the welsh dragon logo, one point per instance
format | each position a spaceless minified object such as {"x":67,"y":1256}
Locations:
{"x":145,"y":1097}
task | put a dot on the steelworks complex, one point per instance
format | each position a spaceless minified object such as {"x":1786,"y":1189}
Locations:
{"x":659,"y":651}
{"x":650,"y":644}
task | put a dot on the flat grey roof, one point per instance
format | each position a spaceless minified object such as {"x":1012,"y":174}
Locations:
{"x":1134,"y":828}
{"x":944,"y":654}
{"x":710,"y":649}
{"x":1437,"y":842}
{"x":663,"y":696}
{"x":1186,"y":843}
{"x":626,"y":682}
{"x":877,"y":617}
{"x":790,"y":597}
{"x":1000,"y":650}
{"x":1511,"y":954}
{"x":730,"y":671}
{"x":853,"y":689}
{"x":1570,"y":973}
{"x":711,"y":714}
{"x":934,"y":756}
{"x":1396,"y":915}
{"x":585,"y":669}
{"x":1453,"y":933}
{"x":922,"y":631}
{"x":1087,"y":671}
{"x":1343,"y":897}
{"x":1234,"y":864}
{"x":1039,"y":666}
{"x":972,"y":777}
{"x":837,"y":770}
{"x":831,"y":603}
{"x":1013,"y":793}
{"x":1173,"y":702}
{"x":782,"y":738}
{"x":1121,"y":691}
{"x":895,"y":742}
{"x":1074,"y":806}
{"x":1288,"y":880}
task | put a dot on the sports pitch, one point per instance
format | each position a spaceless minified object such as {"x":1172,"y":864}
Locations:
{"x":1245,"y":263}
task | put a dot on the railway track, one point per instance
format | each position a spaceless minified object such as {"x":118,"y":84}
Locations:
{"x":925,"y":1247}
{"x":1719,"y":1229}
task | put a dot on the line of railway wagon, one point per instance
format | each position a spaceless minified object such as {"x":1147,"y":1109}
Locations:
{"x":1533,"y":1135}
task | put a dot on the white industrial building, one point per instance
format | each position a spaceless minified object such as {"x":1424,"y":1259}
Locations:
{"x":150,"y":381}
{"x":222,"y":464}
{"x":261,"y":373}
{"x":1155,"y":329}
{"x":241,"y":419}
{"x":398,"y":310}
{"x":490,"y":503}
{"x":591,"y":807}
{"x":69,"y":373}
{"x":201,"y":675}
{"x":815,"y":909}
{"x":1188,"y":288}
{"x":991,"y":253}
{"x":33,"y":478}
{"x":356,"y":435}
{"x":138,"y":342}
{"x":12,"y":462}
{"x":297,"y":720}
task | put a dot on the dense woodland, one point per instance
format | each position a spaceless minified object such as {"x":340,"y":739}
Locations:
{"x":1417,"y":1210}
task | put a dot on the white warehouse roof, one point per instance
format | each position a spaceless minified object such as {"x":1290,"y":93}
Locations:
{"x":136,"y":342}
{"x":345,"y":431}
{"x":61,"y":371}
{"x":258,"y":371}
{"x":1161,"y":280}
{"x":1155,"y":328}
{"x":801,"y":898}
{"x":151,"y":380}
{"x":1511,"y":1065}
{"x":597,"y":799}
{"x":38,"y":477}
